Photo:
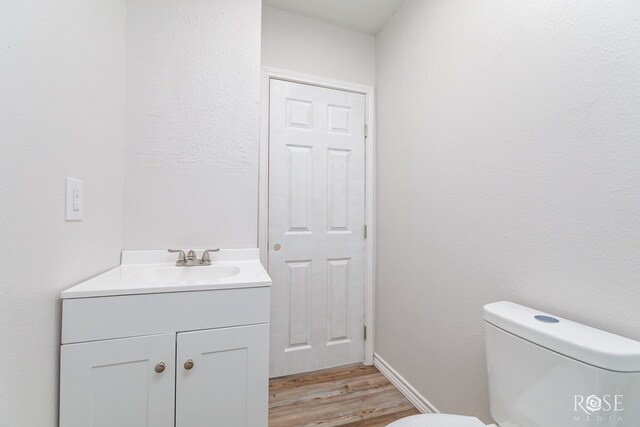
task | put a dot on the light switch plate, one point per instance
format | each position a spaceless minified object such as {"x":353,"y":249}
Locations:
{"x":74,"y":200}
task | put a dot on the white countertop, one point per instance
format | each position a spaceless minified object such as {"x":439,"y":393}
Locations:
{"x":146,"y":272}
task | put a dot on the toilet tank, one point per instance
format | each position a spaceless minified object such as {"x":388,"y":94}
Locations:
{"x":545,"y":371}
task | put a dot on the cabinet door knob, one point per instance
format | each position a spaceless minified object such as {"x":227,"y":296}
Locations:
{"x":160,"y":367}
{"x":188,"y":365}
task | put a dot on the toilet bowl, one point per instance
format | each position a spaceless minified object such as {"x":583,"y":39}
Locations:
{"x":437,"y":420}
{"x":545,"y":371}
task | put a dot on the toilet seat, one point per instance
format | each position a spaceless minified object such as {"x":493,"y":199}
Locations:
{"x":437,"y":420}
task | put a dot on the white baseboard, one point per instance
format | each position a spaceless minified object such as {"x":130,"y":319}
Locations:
{"x":412,"y":395}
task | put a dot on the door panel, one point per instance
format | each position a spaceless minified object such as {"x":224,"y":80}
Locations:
{"x":316,"y":227}
{"x":228,"y":383}
{"x":114,"y":383}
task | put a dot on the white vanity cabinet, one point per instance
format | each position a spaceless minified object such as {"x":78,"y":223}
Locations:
{"x":228,"y":384}
{"x":114,"y":383}
{"x":189,"y":358}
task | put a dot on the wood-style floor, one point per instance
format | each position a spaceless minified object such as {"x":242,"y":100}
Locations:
{"x":354,"y":396}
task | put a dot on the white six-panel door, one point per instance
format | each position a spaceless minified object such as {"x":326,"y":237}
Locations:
{"x":316,"y":227}
{"x":115,"y":383}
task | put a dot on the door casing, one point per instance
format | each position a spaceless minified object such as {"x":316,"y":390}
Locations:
{"x":263,"y":205}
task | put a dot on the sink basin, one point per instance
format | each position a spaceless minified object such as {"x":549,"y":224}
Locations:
{"x":202,"y":275}
{"x":151,"y":272}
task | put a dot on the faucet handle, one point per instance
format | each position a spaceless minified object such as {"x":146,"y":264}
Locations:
{"x":205,"y":255}
{"x":182,"y":258}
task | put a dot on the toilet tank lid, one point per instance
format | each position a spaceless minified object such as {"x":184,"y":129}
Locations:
{"x":584,"y":343}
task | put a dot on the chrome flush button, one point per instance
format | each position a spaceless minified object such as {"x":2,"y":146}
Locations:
{"x":546,"y":319}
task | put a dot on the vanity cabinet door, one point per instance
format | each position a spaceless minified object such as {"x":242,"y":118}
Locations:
{"x":123,"y":382}
{"x":222,"y":377}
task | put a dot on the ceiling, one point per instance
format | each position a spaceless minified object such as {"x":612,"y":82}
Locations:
{"x":363,"y":15}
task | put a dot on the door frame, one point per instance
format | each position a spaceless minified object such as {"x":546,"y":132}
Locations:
{"x":269,"y":74}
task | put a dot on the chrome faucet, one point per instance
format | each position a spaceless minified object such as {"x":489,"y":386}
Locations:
{"x":191,"y":258}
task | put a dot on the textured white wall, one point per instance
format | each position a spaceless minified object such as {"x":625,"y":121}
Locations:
{"x":298,"y":43}
{"x":508,"y":169}
{"x":191,"y":161}
{"x":61,"y":114}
